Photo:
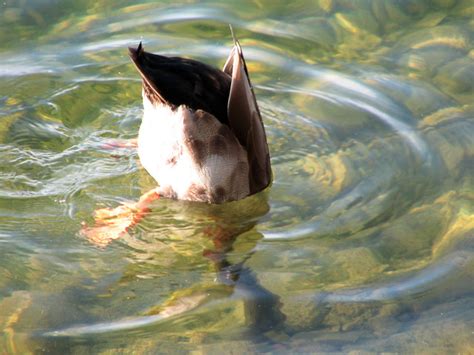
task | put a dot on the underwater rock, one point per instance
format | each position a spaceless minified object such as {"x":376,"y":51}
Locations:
{"x":357,"y":22}
{"x":354,"y":266}
{"x":457,"y":79}
{"x":302,"y":313}
{"x":431,"y":19}
{"x":452,"y":137}
{"x":324,"y":342}
{"x":440,"y":330}
{"x":427,"y":60}
{"x":326,"y":5}
{"x":394,"y":13}
{"x":444,"y":35}
{"x":445,"y":4}
{"x":11,"y":309}
{"x":464,"y":8}
{"x":412,"y":236}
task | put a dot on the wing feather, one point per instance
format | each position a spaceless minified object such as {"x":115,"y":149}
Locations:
{"x":246,"y":122}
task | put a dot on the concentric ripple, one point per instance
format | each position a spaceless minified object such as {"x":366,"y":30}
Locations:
{"x":363,"y":242}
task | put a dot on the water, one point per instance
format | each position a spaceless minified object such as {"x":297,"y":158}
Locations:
{"x":364,"y":242}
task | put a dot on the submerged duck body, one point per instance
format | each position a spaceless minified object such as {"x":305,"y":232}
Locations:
{"x":202,"y":136}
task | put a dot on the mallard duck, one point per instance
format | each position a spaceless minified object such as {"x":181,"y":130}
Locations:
{"x":202,"y":136}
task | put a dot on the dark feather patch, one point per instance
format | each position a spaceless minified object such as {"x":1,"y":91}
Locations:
{"x":181,"y":81}
{"x":218,"y":145}
{"x":151,"y":94}
{"x":219,"y":194}
{"x":198,"y":148}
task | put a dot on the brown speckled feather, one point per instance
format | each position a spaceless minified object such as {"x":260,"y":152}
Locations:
{"x":216,"y":151}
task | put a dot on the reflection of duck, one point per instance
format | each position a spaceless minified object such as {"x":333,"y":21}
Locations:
{"x":202,"y":136}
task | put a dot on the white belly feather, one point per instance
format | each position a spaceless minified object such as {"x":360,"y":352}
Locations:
{"x":163,"y":153}
{"x":159,"y":140}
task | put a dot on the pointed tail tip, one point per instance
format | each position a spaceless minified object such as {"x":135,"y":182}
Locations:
{"x":134,"y":53}
{"x":236,"y":41}
{"x":232,"y":32}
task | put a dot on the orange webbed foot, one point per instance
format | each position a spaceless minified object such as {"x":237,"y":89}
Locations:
{"x":109,"y":224}
{"x":120,"y":143}
{"x":114,"y":223}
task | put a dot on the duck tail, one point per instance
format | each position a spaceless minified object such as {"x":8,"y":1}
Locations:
{"x":135,"y":53}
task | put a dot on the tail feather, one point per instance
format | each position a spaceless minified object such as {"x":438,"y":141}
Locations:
{"x":180,"y":81}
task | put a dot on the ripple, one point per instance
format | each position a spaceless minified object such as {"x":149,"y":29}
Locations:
{"x":106,"y":327}
{"x":352,"y":93}
{"x":426,"y":280}
{"x":361,"y":197}
{"x":184,"y":304}
{"x":370,"y":130}
{"x":173,"y":14}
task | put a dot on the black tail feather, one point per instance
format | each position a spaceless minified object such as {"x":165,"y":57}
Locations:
{"x":135,"y":53}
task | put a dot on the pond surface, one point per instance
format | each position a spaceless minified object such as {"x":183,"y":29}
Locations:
{"x":364,"y":242}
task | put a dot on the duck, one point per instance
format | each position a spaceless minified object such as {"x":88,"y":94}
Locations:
{"x":201,"y":138}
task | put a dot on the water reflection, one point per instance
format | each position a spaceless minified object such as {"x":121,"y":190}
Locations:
{"x":233,"y":282}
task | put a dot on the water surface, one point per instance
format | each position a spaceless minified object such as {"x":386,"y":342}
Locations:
{"x":364,"y":241}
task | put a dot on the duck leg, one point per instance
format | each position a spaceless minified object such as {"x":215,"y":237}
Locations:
{"x":113,"y":223}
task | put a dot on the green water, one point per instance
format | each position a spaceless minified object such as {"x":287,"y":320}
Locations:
{"x":363,"y":243}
